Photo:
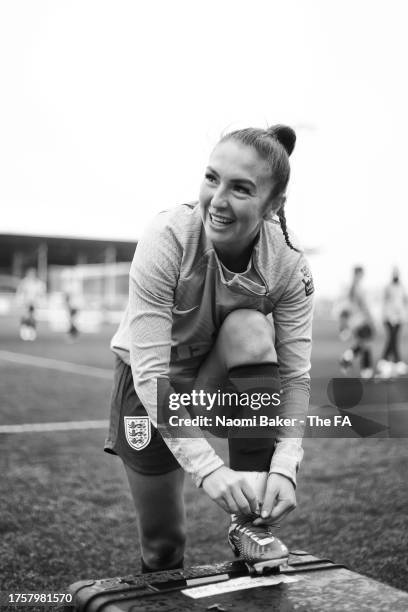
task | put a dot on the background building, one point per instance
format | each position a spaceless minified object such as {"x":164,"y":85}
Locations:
{"x":94,"y":273}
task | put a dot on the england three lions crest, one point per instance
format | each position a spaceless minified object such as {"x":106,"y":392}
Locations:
{"x":138,"y":432}
{"x":307,"y":280}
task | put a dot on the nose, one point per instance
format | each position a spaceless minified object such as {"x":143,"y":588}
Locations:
{"x":219,"y":199}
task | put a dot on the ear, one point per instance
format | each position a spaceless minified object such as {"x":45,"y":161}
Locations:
{"x":273,"y":206}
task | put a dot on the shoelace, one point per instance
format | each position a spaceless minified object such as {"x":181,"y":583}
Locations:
{"x":255,"y":535}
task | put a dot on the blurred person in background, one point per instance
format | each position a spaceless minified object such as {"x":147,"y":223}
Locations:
{"x":395,"y":303}
{"x":341,"y":313}
{"x":361,"y":324}
{"x":30,"y":291}
{"x":72,"y":313}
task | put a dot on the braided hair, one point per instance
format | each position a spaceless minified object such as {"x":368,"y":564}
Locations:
{"x":282,"y":222}
{"x":274,"y":145}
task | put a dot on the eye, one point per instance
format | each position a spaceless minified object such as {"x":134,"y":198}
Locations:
{"x":242,"y":189}
{"x":210,"y":177}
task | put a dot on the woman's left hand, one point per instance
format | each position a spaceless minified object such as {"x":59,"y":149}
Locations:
{"x":279,"y":500}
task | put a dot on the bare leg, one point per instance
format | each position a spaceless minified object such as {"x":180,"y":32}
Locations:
{"x":245,"y":337}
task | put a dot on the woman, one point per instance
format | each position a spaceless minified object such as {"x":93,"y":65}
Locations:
{"x":394,"y":315}
{"x":203,"y":282}
{"x":362,"y":326}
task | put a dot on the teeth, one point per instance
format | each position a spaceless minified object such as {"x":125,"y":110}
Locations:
{"x":222,"y":220}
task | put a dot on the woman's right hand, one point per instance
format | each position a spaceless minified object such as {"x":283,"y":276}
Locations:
{"x":230,"y":491}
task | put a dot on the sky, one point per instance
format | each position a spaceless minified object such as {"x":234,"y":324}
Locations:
{"x":110,"y":108}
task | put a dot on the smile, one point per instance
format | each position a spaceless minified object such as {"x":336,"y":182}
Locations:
{"x":220,"y":220}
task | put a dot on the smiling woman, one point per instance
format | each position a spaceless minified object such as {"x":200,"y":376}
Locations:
{"x":245,"y":183}
{"x":206,"y":282}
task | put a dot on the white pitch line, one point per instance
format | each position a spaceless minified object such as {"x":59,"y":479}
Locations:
{"x":55,"y":364}
{"x":63,"y":426}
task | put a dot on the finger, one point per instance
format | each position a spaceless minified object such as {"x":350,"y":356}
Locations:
{"x":282,"y":508}
{"x":241,"y":501}
{"x":267,"y":521}
{"x":222,"y":504}
{"x":269,"y":501}
{"x":249,"y":493}
{"x":231,"y":504}
{"x":275,"y":523}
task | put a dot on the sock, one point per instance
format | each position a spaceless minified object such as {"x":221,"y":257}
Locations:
{"x":366,"y":359}
{"x":255,"y":374}
{"x":253,"y":453}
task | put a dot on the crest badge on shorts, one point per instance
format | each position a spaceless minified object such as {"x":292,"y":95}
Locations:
{"x":138,"y":432}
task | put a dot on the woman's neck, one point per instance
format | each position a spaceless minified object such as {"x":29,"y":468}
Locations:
{"x":233,"y":261}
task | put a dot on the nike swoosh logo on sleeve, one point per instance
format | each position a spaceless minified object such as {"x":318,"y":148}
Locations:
{"x":177,"y":310}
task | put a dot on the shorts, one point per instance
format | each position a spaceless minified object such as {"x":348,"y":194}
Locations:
{"x":151,"y":458}
{"x":141,"y":446}
{"x":364,"y":332}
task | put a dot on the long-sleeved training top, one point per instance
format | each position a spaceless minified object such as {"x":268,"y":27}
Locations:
{"x":179,"y":295}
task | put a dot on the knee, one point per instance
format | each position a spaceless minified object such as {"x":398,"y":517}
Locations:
{"x":248,"y":336}
{"x":163,"y":550}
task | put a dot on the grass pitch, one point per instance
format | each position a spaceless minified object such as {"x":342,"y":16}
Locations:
{"x":66,"y":514}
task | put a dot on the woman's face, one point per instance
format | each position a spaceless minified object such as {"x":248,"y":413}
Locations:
{"x":235,"y":196}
